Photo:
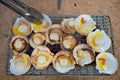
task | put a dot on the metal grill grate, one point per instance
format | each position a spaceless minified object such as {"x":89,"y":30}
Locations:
{"x":103,"y":21}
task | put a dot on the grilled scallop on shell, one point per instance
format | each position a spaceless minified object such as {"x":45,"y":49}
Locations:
{"x":54,"y":34}
{"x":37,"y":39}
{"x":19,"y":44}
{"x":41,"y":27}
{"x":68,"y":25}
{"x":20,"y":64}
{"x":83,"y":54}
{"x":68,"y":42}
{"x":46,"y":22}
{"x":63,"y":61}
{"x":106,"y":63}
{"x":22,"y":27}
{"x":41,"y":57}
{"x":84,"y":24}
{"x":98,"y":40}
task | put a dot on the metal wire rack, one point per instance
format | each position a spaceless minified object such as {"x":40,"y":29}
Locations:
{"x":88,"y":70}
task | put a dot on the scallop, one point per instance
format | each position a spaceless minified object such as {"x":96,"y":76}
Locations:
{"x":84,"y":24}
{"x":46,"y":22}
{"x":20,"y":64}
{"x":99,"y":40}
{"x":19,"y":44}
{"x":37,"y":39}
{"x":68,"y":25}
{"x":106,"y":63}
{"x":83,"y":54}
{"x":41,"y":57}
{"x":54,"y":34}
{"x":68,"y":42}
{"x":63,"y":61}
{"x":22,"y":27}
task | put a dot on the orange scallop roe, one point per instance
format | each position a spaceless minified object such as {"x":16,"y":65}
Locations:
{"x":82,"y":20}
{"x":102,"y":60}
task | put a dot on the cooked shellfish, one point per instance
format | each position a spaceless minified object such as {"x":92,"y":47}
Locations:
{"x":19,"y":44}
{"x":68,"y":25}
{"x":54,"y":34}
{"x":20,"y":64}
{"x":37,"y":39}
{"x":46,"y":22}
{"x":106,"y":63}
{"x":68,"y":42}
{"x":84,"y":24}
{"x":63,"y":62}
{"x":83,"y":54}
{"x":99,"y":40}
{"x":41,"y":57}
{"x":22,"y":27}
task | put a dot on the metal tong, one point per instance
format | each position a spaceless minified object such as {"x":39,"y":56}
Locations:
{"x":24,"y":10}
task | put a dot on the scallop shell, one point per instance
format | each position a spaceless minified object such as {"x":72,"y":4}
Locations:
{"x":46,"y":22}
{"x":87,"y":18}
{"x":16,"y":52}
{"x":69,"y":41}
{"x":42,"y":38}
{"x":85,"y":57}
{"x":56,"y":28}
{"x":17,"y":67}
{"x":23,"y":22}
{"x":106,"y":39}
{"x":110,"y":62}
{"x":35,"y":55}
{"x":68,"y":25}
{"x":58,"y":67}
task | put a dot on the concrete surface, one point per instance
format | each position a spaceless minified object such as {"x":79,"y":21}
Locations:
{"x":69,"y":7}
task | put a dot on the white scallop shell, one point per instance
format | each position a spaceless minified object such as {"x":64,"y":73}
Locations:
{"x":107,"y":41}
{"x":18,"y":70}
{"x":14,"y":70}
{"x":78,"y":21}
{"x":112,"y":64}
{"x":60,"y":68}
{"x":21,"y":19}
{"x":89,"y":56}
{"x":36,"y":51}
{"x":46,"y":18}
